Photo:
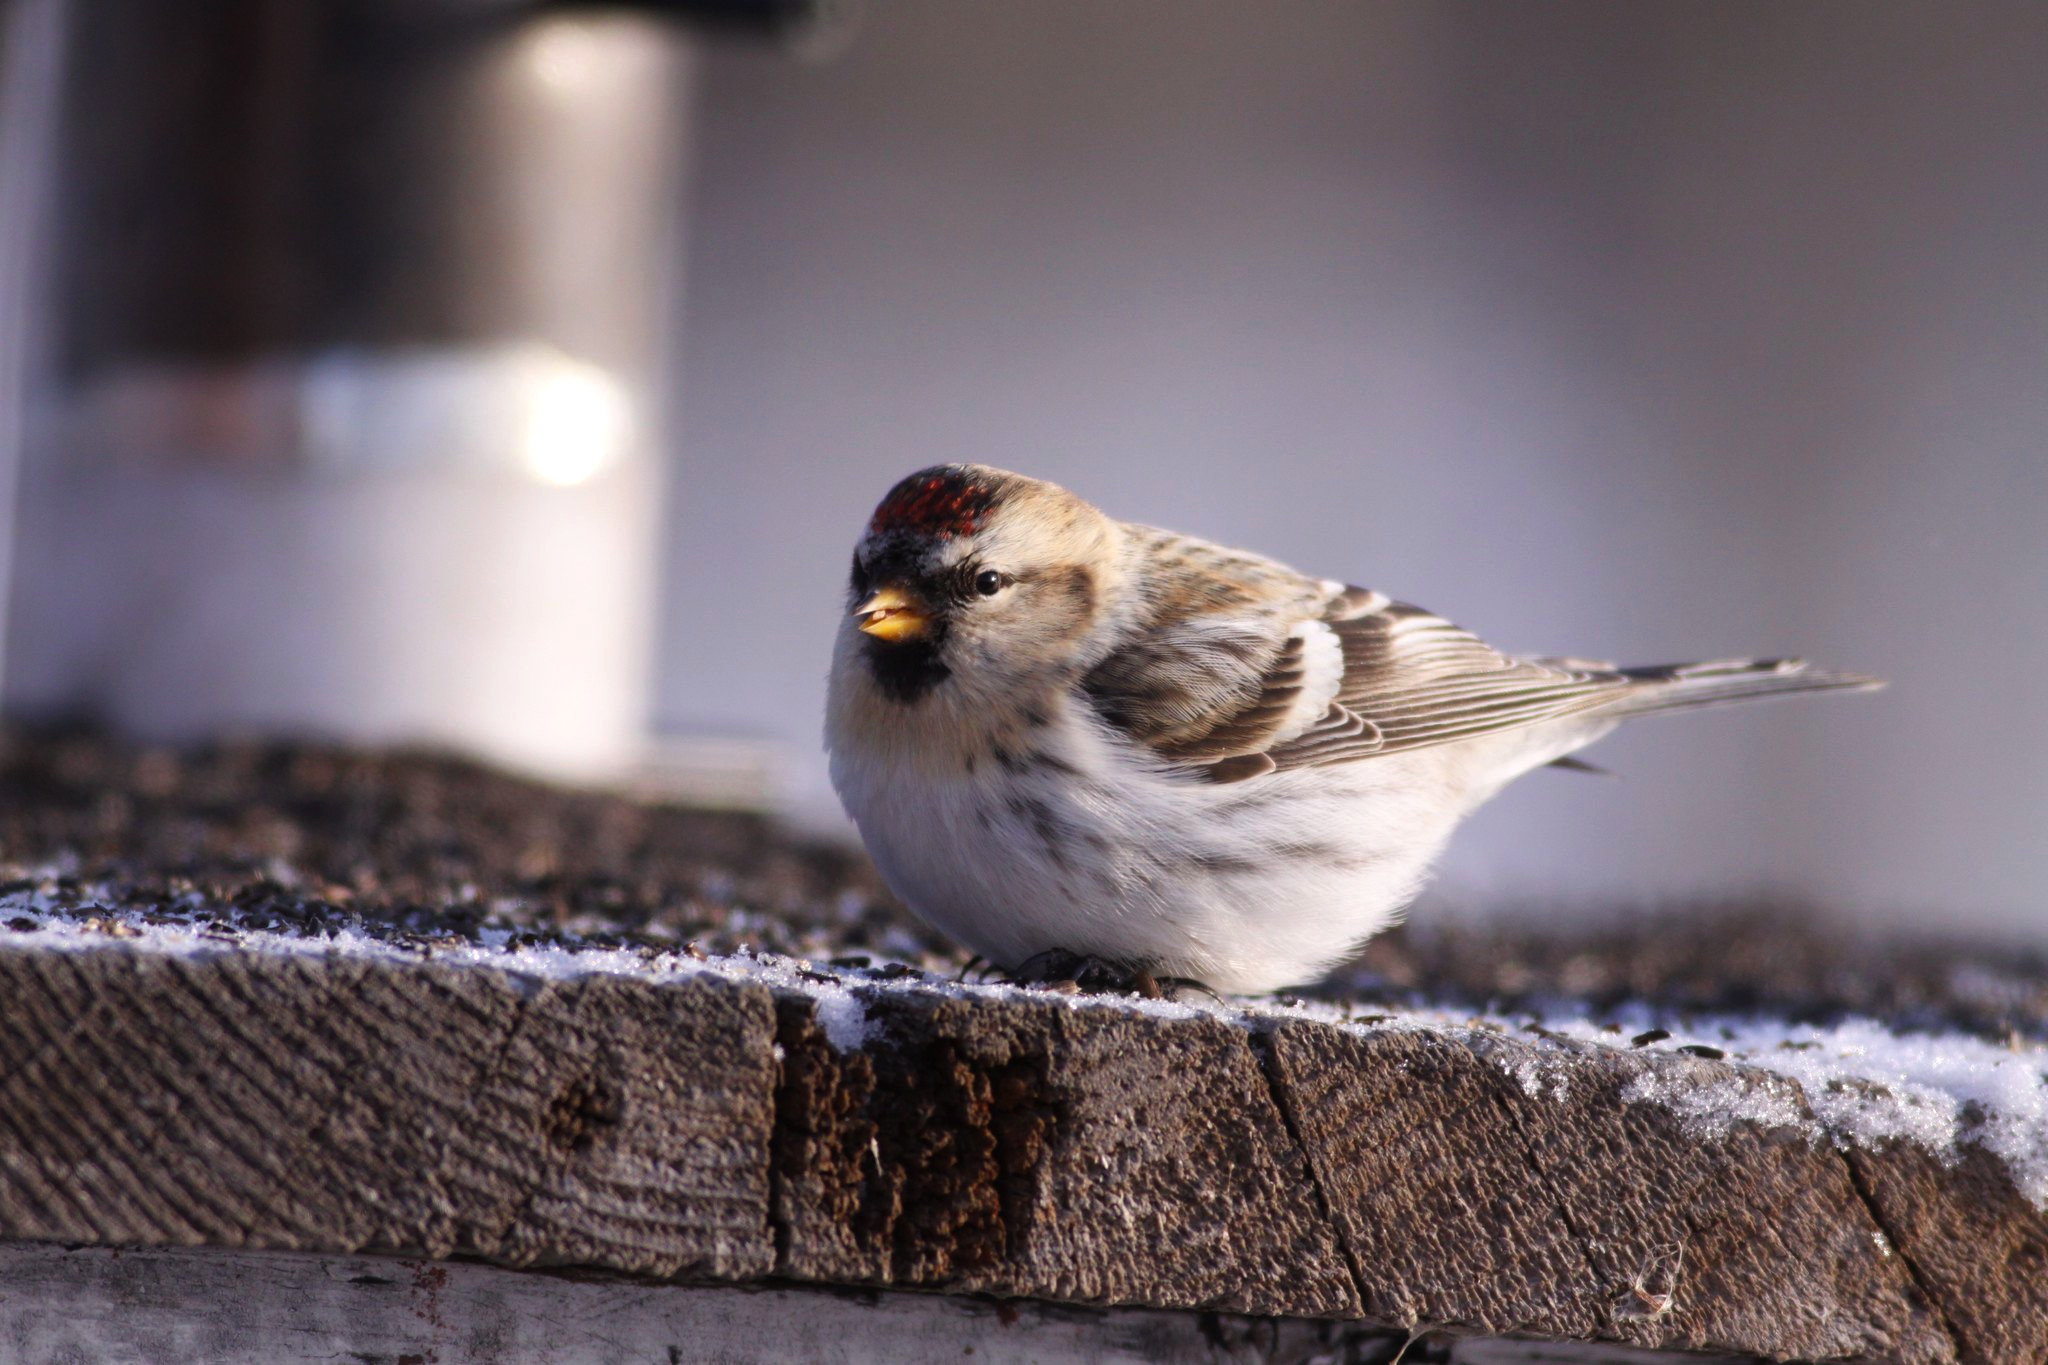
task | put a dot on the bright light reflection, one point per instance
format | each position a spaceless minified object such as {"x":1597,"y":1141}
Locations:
{"x":564,"y":55}
{"x":577,"y":422}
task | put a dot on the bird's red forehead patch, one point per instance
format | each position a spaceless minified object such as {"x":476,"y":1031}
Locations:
{"x":935,"y":502}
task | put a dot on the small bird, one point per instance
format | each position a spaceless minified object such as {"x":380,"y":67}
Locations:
{"x":1067,"y":738}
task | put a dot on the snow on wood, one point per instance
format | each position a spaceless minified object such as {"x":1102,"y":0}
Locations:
{"x":1858,"y":1083}
{"x":732,"y":1118}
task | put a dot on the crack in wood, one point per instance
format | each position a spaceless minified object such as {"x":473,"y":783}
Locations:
{"x":1260,"y":1042}
{"x":1900,"y":1248}
{"x":1547,"y":1188}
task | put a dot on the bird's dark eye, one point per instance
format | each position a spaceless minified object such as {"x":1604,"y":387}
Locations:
{"x":860,"y":577}
{"x":988,"y":582}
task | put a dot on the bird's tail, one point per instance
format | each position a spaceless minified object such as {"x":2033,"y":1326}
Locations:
{"x":1683,"y":687}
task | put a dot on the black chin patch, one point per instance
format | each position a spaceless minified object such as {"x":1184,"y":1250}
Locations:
{"x":907,"y":669}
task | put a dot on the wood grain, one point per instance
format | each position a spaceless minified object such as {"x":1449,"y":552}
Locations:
{"x":339,"y":1104}
{"x":67,"y":1306}
{"x":1021,"y":1145}
{"x":1028,"y":1147}
{"x":1466,"y":1198}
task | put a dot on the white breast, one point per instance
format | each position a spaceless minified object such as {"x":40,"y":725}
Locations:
{"x":1080,"y":842}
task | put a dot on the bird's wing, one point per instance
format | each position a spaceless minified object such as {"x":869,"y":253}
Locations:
{"x":1412,"y":680}
{"x":1344,"y":676}
{"x":1227,"y":655}
{"x":1243,"y":667}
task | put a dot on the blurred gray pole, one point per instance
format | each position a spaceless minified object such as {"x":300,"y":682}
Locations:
{"x":355,"y":422}
{"x":31,"y":80}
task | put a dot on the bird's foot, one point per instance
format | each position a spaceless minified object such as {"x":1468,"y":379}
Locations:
{"x":1060,"y":970}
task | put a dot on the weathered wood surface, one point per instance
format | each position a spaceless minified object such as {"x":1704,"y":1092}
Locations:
{"x":91,"y":1306}
{"x":1013,"y":1145}
{"x":243,"y":1100}
{"x":1022,"y":1147}
{"x":1475,"y":1201}
{"x":1978,"y":1250}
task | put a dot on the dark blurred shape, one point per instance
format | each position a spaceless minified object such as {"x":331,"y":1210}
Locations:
{"x":269,"y":832}
{"x":262,"y":176}
{"x":776,"y":19}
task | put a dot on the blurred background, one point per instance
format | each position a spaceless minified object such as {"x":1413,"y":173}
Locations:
{"x":516,"y":376}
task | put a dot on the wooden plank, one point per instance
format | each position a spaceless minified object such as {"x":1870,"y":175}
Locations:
{"x":146,"y":1307}
{"x":1972,"y":1241}
{"x":1023,"y":1146}
{"x":343,"y":1104}
{"x":1555,"y":1206}
{"x":1005,"y":1143}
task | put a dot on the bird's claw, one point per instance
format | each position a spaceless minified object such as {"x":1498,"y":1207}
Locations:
{"x":1060,"y":970}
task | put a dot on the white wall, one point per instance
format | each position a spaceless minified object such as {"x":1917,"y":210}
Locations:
{"x":1649,"y":331}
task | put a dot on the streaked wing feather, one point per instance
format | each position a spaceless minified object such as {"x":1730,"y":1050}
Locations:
{"x":1218,"y":701}
{"x":1252,"y":729}
{"x":1217,"y":667}
{"x":1413,"y":680}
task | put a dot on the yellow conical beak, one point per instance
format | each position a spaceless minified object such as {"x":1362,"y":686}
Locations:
{"x":891,"y":615}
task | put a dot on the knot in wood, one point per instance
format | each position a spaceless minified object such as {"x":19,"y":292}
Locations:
{"x":580,"y":1112}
